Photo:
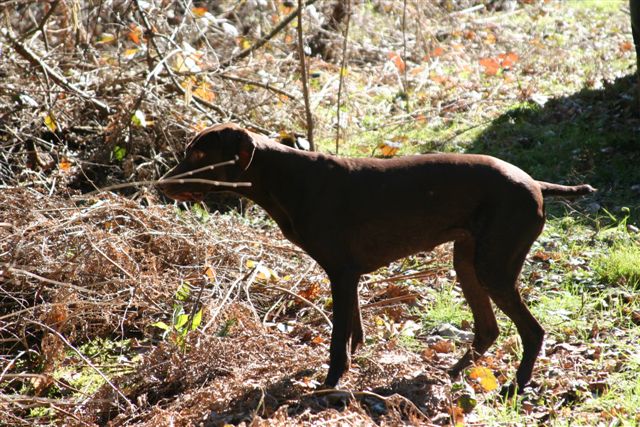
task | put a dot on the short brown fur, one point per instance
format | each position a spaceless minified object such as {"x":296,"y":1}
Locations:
{"x":356,"y":215}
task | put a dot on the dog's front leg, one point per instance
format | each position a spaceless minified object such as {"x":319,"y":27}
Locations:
{"x":357,"y":333}
{"x":346,"y":313}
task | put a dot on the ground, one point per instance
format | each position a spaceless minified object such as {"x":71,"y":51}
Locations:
{"x":122,"y":308}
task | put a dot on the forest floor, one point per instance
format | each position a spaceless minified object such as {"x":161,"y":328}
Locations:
{"x":121,"y":308}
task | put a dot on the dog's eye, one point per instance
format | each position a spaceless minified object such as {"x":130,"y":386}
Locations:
{"x":196,"y":155}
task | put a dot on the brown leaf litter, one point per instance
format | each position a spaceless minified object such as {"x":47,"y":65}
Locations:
{"x":76,"y":269}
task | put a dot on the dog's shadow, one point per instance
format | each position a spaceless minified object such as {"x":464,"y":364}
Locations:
{"x":590,"y":136}
{"x":410,"y":399}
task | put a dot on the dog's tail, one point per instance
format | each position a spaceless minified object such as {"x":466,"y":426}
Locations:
{"x":549,"y":189}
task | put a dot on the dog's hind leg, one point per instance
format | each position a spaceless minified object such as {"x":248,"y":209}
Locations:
{"x":500,"y":256}
{"x":485,"y":327}
{"x":531,"y":333}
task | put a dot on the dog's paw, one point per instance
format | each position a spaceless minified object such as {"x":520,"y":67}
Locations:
{"x":509,"y":390}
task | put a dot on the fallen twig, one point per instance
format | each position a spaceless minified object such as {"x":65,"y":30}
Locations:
{"x":30,"y":56}
{"x":266,"y":86}
{"x":226,"y":297}
{"x":257,"y":45}
{"x":85,"y":359}
{"x":390,"y":301}
{"x":399,"y":277}
{"x":303,"y":299}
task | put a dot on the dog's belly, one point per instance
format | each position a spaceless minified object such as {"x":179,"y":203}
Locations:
{"x":375,"y":248}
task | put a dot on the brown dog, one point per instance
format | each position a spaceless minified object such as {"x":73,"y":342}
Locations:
{"x":356,"y":215}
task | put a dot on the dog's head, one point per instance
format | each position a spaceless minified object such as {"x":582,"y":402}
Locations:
{"x":220,"y":153}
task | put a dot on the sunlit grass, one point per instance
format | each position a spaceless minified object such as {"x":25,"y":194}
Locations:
{"x":621,"y":265}
{"x":447,"y":306}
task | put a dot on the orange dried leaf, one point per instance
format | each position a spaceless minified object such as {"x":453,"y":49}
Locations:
{"x":442,"y":346}
{"x":64,"y":165}
{"x":490,"y":39}
{"x":199,"y":12}
{"x":417,"y":70}
{"x":484,"y":377}
{"x":389,"y":148}
{"x":317,"y":340}
{"x":625,"y":46}
{"x":397,"y":61}
{"x":541,"y":256}
{"x":438,"y":79}
{"x":210,"y":273}
{"x":508,"y":59}
{"x":135,"y":33}
{"x":428,"y":353}
{"x":536,"y":42}
{"x":311,"y":292}
{"x":204,"y":91}
{"x":458,"y":415}
{"x":491,"y":66}
{"x":286,"y":7}
{"x":437,"y":52}
{"x":57,"y":315}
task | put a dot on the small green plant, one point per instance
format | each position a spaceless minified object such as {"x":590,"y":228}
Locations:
{"x":447,"y":307}
{"x":226,"y":328}
{"x":200,"y":212}
{"x":119,"y":152}
{"x":621,"y":265}
{"x":618,"y":224}
{"x":182,"y":322}
{"x":42,"y":412}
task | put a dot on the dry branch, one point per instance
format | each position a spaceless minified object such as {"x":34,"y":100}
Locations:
{"x":304,"y":300}
{"x":343,"y":70}
{"x":30,"y":56}
{"x":85,"y":360}
{"x":244,"y":80}
{"x":305,"y":80}
{"x":257,"y":45}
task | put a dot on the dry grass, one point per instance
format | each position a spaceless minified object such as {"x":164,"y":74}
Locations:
{"x":78,"y":269}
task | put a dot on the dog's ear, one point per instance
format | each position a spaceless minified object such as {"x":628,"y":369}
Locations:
{"x":246,"y":149}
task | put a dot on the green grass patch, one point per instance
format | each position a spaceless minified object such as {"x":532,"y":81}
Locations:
{"x":563,"y":314}
{"x":597,"y":5}
{"x":111,"y":357}
{"x":621,"y":265}
{"x":447,"y":307}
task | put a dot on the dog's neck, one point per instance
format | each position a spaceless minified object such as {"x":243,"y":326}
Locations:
{"x":279,"y":181}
